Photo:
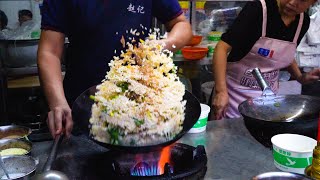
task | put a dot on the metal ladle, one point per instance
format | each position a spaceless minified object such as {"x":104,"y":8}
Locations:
{"x":49,"y":174}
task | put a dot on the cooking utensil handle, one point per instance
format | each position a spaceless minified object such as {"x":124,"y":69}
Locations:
{"x":261,"y":81}
{"x":53,"y":153}
{"x":266,"y":90}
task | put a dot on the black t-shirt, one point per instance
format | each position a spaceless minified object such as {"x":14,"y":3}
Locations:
{"x":246,"y":29}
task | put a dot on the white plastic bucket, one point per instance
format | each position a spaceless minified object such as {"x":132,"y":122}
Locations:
{"x":201,"y":124}
{"x":292,"y":152}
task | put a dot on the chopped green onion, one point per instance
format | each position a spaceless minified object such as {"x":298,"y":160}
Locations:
{"x":138,"y":122}
{"x":114,"y":135}
{"x":114,"y":96}
{"x":277,"y":104}
{"x":104,"y":109}
{"x":92,"y":97}
{"x":123,"y":85}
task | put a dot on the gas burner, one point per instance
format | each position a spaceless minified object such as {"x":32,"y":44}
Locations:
{"x":144,"y":169}
{"x":178,"y":161}
{"x":173,"y":162}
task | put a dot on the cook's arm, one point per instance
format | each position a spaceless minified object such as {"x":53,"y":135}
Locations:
{"x":304,"y":78}
{"x":49,"y":65}
{"x":294,"y":70}
{"x":219,"y":65}
{"x":179,"y":33}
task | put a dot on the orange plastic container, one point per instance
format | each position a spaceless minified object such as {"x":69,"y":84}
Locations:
{"x":194,"y":53}
{"x":196,"y":39}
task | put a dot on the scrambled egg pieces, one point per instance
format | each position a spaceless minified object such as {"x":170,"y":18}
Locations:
{"x":13,"y":151}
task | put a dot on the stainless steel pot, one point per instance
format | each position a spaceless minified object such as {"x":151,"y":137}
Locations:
{"x":16,"y":143}
{"x":19,"y":53}
{"x":279,"y":176}
{"x":20,"y":167}
{"x":14,"y":132}
{"x":270,"y":114}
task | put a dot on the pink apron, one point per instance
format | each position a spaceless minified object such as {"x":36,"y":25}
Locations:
{"x":270,"y":55}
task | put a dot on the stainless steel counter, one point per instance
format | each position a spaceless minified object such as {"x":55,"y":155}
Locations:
{"x":232,"y":152}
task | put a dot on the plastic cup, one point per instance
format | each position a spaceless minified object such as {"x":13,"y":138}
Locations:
{"x":292,"y":152}
{"x":201,"y":124}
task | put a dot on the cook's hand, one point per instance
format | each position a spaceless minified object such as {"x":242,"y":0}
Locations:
{"x":60,"y":120}
{"x":310,"y":77}
{"x":219,"y":105}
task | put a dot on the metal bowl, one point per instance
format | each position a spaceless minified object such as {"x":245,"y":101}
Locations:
{"x":14,"y":132}
{"x":15,"y":143}
{"x":19,"y":167}
{"x":280,"y":175}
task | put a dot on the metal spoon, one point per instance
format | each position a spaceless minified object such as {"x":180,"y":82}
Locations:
{"x":53,"y":153}
{"x":49,"y":174}
{"x":3,"y":167}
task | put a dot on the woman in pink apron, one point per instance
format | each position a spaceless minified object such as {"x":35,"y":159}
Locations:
{"x":264,"y":38}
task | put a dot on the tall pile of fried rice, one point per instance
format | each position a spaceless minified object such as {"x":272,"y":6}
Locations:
{"x":140,"y":102}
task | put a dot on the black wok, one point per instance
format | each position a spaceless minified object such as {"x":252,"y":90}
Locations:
{"x":81,"y":113}
{"x":270,"y":114}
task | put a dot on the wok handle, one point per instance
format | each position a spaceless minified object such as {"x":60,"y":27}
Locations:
{"x":266,"y":90}
{"x":53,"y":153}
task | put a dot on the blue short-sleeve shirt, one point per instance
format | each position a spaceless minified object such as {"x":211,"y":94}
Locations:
{"x":94,"y":29}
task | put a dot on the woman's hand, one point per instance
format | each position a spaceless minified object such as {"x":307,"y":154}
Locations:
{"x":219,"y":105}
{"x":60,"y":120}
{"x":309,"y":77}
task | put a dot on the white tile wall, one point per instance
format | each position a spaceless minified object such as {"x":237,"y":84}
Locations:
{"x":11,"y":8}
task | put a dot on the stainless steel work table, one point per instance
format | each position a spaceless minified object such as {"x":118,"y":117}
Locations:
{"x":232,"y":152}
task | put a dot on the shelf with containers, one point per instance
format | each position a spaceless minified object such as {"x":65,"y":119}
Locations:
{"x":209,"y":19}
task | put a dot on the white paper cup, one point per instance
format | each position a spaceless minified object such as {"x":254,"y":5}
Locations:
{"x":292,"y":152}
{"x":201,"y":124}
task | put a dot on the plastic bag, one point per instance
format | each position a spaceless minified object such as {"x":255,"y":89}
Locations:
{"x":308,"y":60}
{"x":306,"y":48}
{"x":218,"y":20}
{"x":313,"y":33}
{"x":28,"y":30}
{"x":224,"y":17}
{"x":6,"y":34}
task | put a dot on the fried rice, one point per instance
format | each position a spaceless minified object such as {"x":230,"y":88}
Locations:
{"x":140,"y":101}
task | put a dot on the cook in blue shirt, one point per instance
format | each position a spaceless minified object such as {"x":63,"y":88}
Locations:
{"x":94,"y":29}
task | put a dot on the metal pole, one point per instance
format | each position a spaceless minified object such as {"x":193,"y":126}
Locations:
{"x":3,"y":96}
{"x":3,"y":85}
